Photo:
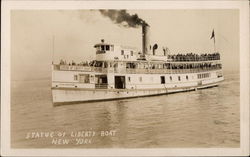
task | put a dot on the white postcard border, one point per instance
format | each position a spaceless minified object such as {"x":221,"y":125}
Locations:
{"x":243,"y":6}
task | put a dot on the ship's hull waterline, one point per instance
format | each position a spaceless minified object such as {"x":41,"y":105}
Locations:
{"x":61,"y":95}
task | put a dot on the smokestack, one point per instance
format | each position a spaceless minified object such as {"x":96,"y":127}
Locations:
{"x":146,"y":47}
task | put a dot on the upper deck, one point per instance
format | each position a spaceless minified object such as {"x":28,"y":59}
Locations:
{"x":191,"y":57}
{"x":145,"y":67}
{"x":111,"y":52}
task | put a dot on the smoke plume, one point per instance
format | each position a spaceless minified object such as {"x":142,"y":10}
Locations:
{"x":123,"y":18}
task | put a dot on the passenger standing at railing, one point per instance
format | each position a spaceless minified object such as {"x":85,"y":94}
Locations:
{"x":61,"y":62}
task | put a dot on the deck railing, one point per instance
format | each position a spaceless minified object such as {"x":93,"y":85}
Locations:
{"x":133,"y":71}
{"x":99,"y":69}
{"x":169,"y":71}
{"x":194,"y":57}
{"x":72,"y":67}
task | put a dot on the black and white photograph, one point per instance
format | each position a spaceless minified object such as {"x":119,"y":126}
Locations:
{"x":125,"y":77}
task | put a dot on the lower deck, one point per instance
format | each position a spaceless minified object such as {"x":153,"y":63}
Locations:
{"x":72,"y":86}
{"x":94,"y":80}
{"x":71,"y":95}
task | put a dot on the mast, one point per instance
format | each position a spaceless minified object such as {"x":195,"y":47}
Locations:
{"x":53,"y":48}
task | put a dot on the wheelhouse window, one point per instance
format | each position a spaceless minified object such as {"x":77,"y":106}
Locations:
{"x":107,"y":48}
{"x":102,"y":47}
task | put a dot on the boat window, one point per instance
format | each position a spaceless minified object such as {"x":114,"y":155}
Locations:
{"x":179,"y":78}
{"x":103,"y":47}
{"x":84,"y":78}
{"x":187,"y":77}
{"x":170,"y":78}
{"x":120,"y":82}
{"x":140,"y":79}
{"x":105,"y":64}
{"x":75,"y":77}
{"x":104,"y":79}
{"x":131,"y":53}
{"x":162,"y":80}
{"x":122,"y":52}
{"x":101,"y":79}
{"x":107,"y":48}
{"x":129,"y":79}
{"x":205,"y":75}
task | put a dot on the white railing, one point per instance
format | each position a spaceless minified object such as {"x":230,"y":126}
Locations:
{"x":72,"y":67}
{"x":132,"y":71}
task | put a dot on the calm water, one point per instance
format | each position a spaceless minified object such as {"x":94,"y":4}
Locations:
{"x":203,"y":118}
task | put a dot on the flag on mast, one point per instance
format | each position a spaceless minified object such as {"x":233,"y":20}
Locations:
{"x":213,"y":37}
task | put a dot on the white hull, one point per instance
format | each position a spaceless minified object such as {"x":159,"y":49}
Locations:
{"x":64,"y":95}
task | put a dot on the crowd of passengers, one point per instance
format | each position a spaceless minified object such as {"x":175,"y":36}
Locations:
{"x":174,"y":57}
{"x":174,"y":66}
{"x":63,"y":62}
{"x":194,"y":57}
{"x":195,"y":66}
{"x":150,"y":66}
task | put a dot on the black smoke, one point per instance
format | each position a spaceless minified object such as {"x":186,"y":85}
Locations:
{"x":123,"y":18}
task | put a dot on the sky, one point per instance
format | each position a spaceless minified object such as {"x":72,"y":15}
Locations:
{"x":75,"y":32}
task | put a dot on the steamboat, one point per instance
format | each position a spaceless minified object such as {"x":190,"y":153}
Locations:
{"x":121,"y":72}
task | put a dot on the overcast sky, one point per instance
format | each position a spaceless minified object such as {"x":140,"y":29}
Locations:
{"x":76,"y":31}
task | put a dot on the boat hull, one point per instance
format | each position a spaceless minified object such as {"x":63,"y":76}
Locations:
{"x":61,"y":95}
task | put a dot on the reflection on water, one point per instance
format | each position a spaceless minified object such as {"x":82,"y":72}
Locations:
{"x":203,"y":118}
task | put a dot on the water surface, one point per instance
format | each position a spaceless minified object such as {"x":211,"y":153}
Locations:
{"x":203,"y":118}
